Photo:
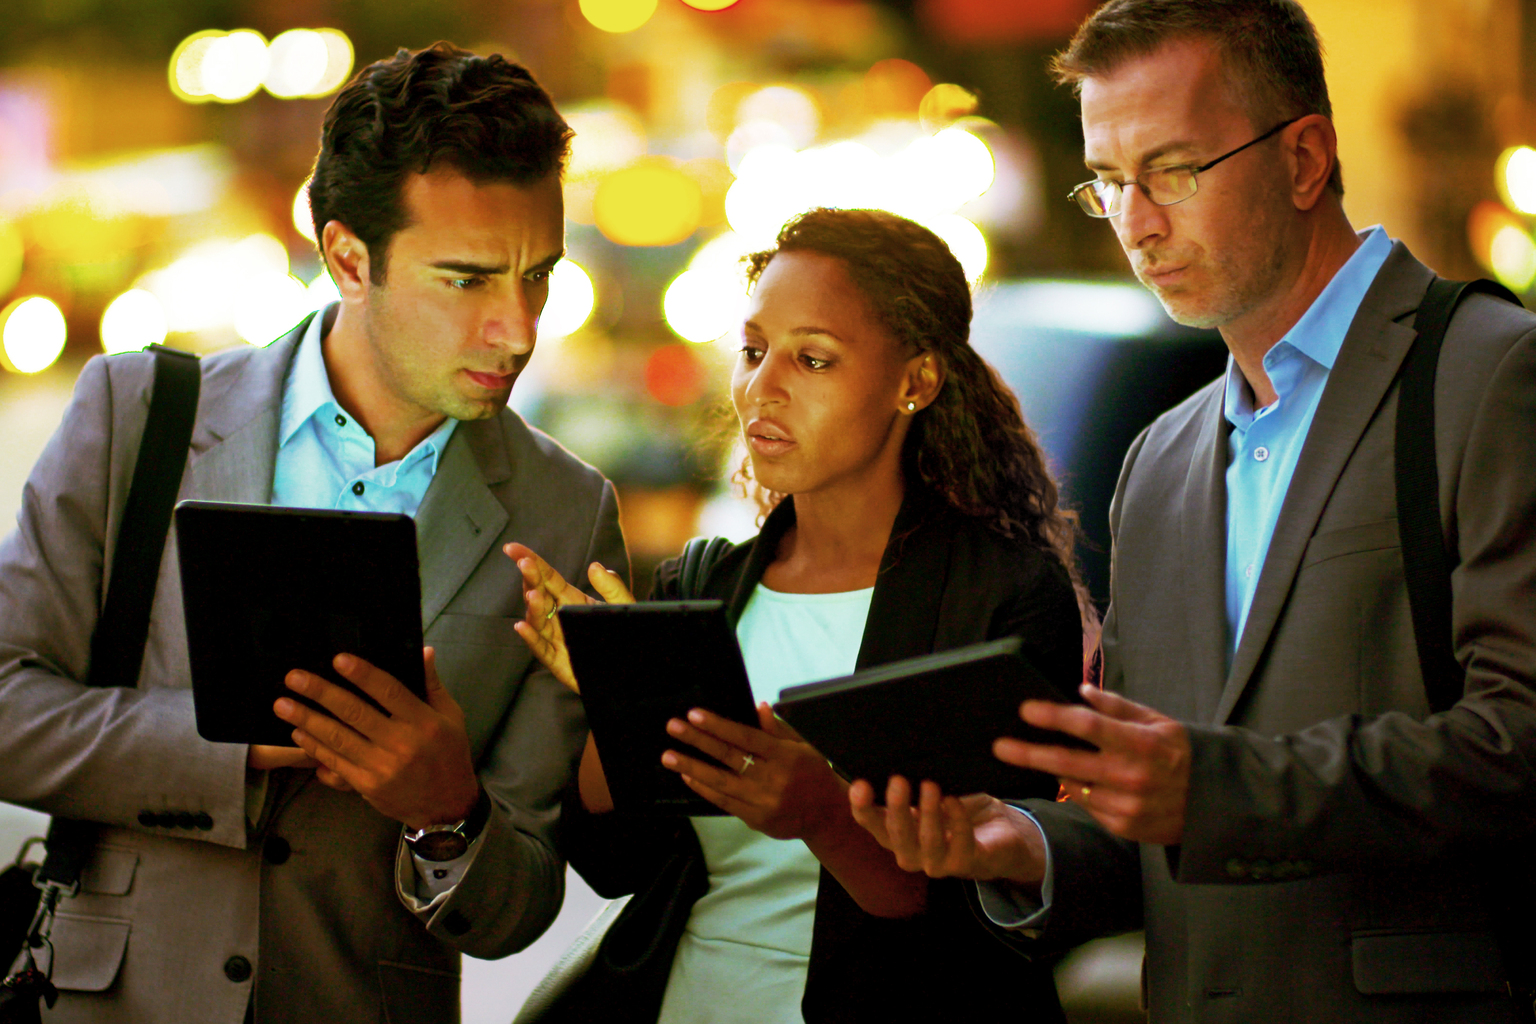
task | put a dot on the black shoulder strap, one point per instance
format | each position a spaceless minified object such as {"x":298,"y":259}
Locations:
{"x":117,"y":647}
{"x":699,"y":556}
{"x":1426,"y":563}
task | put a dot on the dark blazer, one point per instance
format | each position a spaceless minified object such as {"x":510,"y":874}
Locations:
{"x":945,"y":581}
{"x":1346,"y":855}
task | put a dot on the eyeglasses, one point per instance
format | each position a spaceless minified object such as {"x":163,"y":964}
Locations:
{"x":1164,"y":186}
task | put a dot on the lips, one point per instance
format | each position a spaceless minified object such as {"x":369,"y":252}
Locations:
{"x":769,"y":438}
{"x":492,"y":381}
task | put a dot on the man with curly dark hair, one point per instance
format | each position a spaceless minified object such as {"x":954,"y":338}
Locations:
{"x":339,"y":880}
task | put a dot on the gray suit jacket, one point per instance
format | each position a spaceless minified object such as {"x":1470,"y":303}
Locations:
{"x":1346,"y":857}
{"x":175,"y":922}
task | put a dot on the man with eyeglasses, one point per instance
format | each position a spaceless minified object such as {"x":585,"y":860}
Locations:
{"x":1271,"y":798}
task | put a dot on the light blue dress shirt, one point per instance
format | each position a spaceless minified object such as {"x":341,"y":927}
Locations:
{"x":325,"y":459}
{"x":1264,"y":444}
{"x":1261,"y":459}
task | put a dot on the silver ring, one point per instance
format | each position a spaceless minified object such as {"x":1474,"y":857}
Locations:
{"x":747,"y":762}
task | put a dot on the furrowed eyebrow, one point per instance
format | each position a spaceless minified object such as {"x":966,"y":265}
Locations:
{"x":1151,"y":155}
{"x":462,"y":267}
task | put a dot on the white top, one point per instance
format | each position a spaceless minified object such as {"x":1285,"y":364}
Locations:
{"x":743,"y":956}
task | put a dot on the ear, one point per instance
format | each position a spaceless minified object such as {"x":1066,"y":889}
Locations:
{"x":921,"y":383}
{"x":1312,"y":149}
{"x":346,"y":257}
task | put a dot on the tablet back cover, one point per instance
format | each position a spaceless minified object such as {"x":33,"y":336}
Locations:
{"x":932,"y":717}
{"x":267,"y":590}
{"x":641,"y":664}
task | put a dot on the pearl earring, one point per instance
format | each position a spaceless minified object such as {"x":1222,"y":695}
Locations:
{"x":911,"y":407}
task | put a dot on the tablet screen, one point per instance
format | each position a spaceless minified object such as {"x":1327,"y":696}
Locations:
{"x":639,"y":665}
{"x":267,"y":590}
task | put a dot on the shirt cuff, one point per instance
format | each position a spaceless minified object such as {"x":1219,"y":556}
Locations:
{"x":1011,"y":906}
{"x":436,"y":878}
{"x":255,"y":795}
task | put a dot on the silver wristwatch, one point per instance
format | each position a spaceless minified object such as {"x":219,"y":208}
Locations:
{"x":439,"y":843}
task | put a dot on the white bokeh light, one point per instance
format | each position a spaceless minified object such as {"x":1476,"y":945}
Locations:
{"x":303,"y":219}
{"x":570,"y":302}
{"x":296,"y":63}
{"x":1520,"y":179}
{"x":234,"y":65}
{"x":134,"y":321}
{"x":1513,"y":255}
{"x":268,"y":305}
{"x":965,"y":240}
{"x":33,"y":334}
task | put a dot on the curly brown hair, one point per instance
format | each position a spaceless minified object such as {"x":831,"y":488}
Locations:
{"x":971,"y":446}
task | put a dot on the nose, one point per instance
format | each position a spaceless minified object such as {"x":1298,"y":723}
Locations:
{"x":512,"y":324}
{"x":1140,"y":222}
{"x":765,"y":383}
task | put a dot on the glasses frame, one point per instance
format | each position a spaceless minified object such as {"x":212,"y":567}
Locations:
{"x":1194,"y":171}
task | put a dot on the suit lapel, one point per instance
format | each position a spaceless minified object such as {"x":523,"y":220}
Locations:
{"x":1368,"y":363}
{"x":904,"y":610}
{"x":1203,"y":530}
{"x":460,"y":518}
{"x":234,"y":443}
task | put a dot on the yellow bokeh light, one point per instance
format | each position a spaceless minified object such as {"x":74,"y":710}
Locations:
{"x":649,"y":202}
{"x":234,"y":65}
{"x":134,"y":321}
{"x":12,"y":255}
{"x":710,"y":5}
{"x":1513,"y":256}
{"x":322,"y":291}
{"x":297,"y":62}
{"x":570,"y":302}
{"x":1517,"y":178}
{"x":338,"y":62}
{"x":608,"y":136}
{"x":618,"y":15}
{"x":303,"y":220}
{"x":32,"y":334}
{"x":945,"y":103}
{"x":942,"y":172}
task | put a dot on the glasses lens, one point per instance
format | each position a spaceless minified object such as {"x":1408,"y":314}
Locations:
{"x":1097,"y":198}
{"x":1170,"y":186}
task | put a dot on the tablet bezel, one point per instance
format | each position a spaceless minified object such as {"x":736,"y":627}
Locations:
{"x":357,"y":572}
{"x":631,"y":660}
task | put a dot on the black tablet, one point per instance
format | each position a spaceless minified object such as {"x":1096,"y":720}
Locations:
{"x":268,"y":590}
{"x":639,"y":665}
{"x":933,"y":718}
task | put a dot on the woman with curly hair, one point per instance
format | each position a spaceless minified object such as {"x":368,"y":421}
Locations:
{"x":909,"y":510}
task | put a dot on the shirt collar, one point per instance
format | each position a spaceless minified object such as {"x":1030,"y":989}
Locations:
{"x":309,"y":387}
{"x":308,"y":392}
{"x":1319,"y":334}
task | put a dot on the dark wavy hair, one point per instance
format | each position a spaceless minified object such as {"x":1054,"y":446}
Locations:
{"x":484,"y":116}
{"x":971,"y":446}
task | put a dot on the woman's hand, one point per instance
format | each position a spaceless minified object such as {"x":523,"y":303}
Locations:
{"x":977,"y":836}
{"x":546,"y":592}
{"x":774,"y":781}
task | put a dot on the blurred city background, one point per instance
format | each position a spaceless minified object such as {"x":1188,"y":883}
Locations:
{"x":154,"y":153}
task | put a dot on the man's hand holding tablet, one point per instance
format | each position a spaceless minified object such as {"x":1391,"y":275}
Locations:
{"x":1135,"y":784}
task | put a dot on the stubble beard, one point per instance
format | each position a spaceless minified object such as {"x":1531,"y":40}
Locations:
{"x":411,"y":380}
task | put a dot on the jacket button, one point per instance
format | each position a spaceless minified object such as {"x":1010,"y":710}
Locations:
{"x":148,"y":819}
{"x":204,"y":821}
{"x":276,"y":850}
{"x":166,"y":819}
{"x":237,"y":969}
{"x":455,"y":923}
{"x":186,"y":820}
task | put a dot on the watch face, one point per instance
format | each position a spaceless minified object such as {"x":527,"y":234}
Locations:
{"x":440,"y":846}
